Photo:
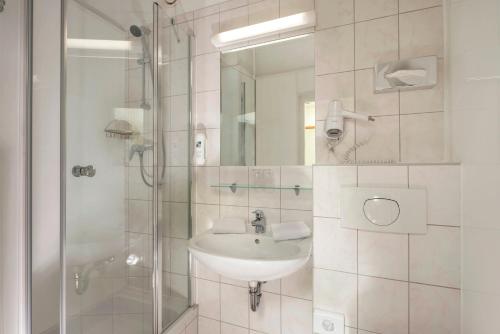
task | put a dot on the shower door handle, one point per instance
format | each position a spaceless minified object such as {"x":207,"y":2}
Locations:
{"x":88,"y":171}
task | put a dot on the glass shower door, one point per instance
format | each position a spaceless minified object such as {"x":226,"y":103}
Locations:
{"x":126,"y":158}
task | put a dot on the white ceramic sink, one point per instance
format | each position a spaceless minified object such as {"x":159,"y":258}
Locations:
{"x":250,"y":257}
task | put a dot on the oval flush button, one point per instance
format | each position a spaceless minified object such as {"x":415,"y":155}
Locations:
{"x":381,"y":211}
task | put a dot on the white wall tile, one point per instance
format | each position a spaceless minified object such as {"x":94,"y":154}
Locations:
{"x":192,"y":328}
{"x":421,"y":33}
{"x":177,"y":147}
{"x":335,"y":247}
{"x":383,"y":305}
{"x":231,"y":329}
{"x":205,"y":177}
{"x":334,"y":50}
{"x":98,"y":299}
{"x":178,"y":183}
{"x":206,"y":11}
{"x":434,"y":310}
{"x":327,"y":183}
{"x":332,"y":13}
{"x":297,"y":215}
{"x":425,"y":100}
{"x":234,"y":305}
{"x":232,"y":4}
{"x":338,"y":86}
{"x":96,"y":324}
{"x":383,"y":176}
{"x":179,"y":115}
{"x":136,"y":187}
{"x":435,"y":257}
{"x":299,"y":284}
{"x":372,"y":9}
{"x":205,"y":216}
{"x":138,"y":213}
{"x":199,"y":270}
{"x":369,"y":103}
{"x":267,"y":318}
{"x":381,"y":137}
{"x":290,"y":7}
{"x":234,"y":18}
{"x":296,"y":175}
{"x":208,"y":110}
{"x":376,"y":41}
{"x":204,"y":29}
{"x":179,"y":213}
{"x":272,"y":286}
{"x":480,"y":275}
{"x":207,"y":69}
{"x":443,"y":192}
{"x":296,"y":315}
{"x":407,"y":5}
{"x":208,"y":299}
{"x":422,"y":137}
{"x":269,"y":177}
{"x":230,"y":175}
{"x":179,"y":256}
{"x":263,"y":11}
{"x":127,"y":324}
{"x":383,"y":255}
{"x":208,"y":326}
{"x":337,"y":292}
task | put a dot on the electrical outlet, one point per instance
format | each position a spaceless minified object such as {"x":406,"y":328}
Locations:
{"x":328,"y":322}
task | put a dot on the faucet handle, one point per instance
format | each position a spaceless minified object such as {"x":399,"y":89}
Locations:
{"x":259,"y":214}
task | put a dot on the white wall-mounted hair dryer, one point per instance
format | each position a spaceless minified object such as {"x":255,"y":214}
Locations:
{"x":334,"y":124}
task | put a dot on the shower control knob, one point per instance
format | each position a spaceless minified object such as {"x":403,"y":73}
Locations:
{"x":88,"y":171}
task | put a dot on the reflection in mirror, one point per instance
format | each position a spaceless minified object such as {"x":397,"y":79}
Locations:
{"x":268,"y":108}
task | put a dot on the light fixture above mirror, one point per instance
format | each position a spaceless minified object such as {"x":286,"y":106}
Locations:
{"x":269,"y":28}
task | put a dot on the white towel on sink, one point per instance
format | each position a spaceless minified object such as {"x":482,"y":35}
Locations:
{"x":228,"y":225}
{"x":290,"y":231}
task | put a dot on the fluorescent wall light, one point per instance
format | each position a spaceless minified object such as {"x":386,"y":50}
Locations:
{"x":276,"y":41}
{"x":264,"y":29}
{"x":98,"y":44}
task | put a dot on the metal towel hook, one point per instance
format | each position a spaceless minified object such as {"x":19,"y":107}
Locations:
{"x":2,"y":5}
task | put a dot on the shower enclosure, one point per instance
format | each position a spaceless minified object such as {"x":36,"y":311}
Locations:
{"x":125,"y":217}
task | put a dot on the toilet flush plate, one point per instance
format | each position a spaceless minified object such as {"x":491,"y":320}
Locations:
{"x":392,"y":210}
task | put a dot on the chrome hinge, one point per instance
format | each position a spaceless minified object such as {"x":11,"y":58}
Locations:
{"x":78,"y":171}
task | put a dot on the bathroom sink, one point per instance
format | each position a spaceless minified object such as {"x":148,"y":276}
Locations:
{"x":250,"y":257}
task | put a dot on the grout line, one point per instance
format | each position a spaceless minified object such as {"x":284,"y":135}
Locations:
{"x":388,"y":279}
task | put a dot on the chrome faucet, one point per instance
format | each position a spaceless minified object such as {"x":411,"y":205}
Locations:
{"x":259,"y":222}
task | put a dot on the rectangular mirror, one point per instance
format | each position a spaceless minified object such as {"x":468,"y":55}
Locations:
{"x":267,"y":104}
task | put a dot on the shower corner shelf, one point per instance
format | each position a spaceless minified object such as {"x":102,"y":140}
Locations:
{"x":234,"y":186}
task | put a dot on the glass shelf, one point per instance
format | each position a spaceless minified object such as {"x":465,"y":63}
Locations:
{"x":234,"y":186}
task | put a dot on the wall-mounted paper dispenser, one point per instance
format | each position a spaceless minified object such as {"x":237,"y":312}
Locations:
{"x":408,"y":74}
{"x":393,"y":210}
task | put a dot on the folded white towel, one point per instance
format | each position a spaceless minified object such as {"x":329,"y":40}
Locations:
{"x":290,"y":231}
{"x":228,"y":225}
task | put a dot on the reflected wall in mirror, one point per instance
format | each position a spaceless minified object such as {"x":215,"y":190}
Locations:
{"x":268,"y":108}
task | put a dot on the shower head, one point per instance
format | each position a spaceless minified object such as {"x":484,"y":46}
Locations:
{"x":136,"y":31}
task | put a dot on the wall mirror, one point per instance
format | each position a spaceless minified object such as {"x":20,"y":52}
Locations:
{"x":267,"y":104}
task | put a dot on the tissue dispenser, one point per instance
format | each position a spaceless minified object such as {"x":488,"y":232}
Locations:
{"x":408,"y":74}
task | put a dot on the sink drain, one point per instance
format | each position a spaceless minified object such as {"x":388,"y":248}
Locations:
{"x":257,"y":241}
